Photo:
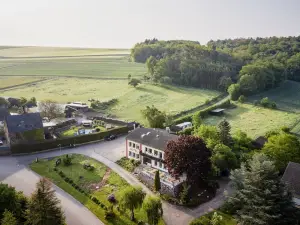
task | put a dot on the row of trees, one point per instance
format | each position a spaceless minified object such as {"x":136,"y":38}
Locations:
{"x":42,"y":208}
{"x":185,"y":63}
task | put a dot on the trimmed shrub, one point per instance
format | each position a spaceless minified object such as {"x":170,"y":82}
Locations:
{"x":67,"y":160}
{"x":98,"y":129}
{"x":67,"y":179}
{"x":242,"y":99}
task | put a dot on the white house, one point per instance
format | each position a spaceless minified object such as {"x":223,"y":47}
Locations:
{"x":147,"y":145}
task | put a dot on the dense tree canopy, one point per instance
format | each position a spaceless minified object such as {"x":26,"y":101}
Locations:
{"x":188,"y":155}
{"x":155,"y":117}
{"x":186,"y":63}
{"x":260,"y":63}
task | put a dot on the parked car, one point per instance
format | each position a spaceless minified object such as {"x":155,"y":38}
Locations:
{"x":1,"y":142}
{"x":110,"y":137}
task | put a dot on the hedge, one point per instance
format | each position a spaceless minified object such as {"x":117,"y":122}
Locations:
{"x":64,"y":142}
{"x":202,"y":113}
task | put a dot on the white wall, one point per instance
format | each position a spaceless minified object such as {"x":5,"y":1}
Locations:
{"x":133,"y":150}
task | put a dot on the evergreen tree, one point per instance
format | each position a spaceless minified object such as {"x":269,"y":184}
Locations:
{"x":157,"y":181}
{"x":263,"y":198}
{"x":224,"y":132}
{"x":8,"y":218}
{"x":43,"y":207}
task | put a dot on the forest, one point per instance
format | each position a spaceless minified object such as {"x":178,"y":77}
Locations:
{"x":247,"y":65}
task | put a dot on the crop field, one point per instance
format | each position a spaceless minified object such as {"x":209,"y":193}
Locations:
{"x":17,"y":52}
{"x":287,"y":96}
{"x":130,"y":100}
{"x":253,"y":120}
{"x":11,"y":81}
{"x":74,"y":62}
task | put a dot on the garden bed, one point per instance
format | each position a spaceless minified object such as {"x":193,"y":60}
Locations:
{"x":128,"y":164}
{"x":204,"y":220}
{"x":91,"y":187}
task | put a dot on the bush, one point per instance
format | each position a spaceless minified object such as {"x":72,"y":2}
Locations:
{"x":286,"y":129}
{"x":67,"y":161}
{"x":109,"y":214}
{"x":67,"y":179}
{"x":186,"y":131}
{"x":98,"y":129}
{"x":273,"y":105}
{"x":61,"y":173}
{"x":265,"y":102}
{"x":242,"y":99}
{"x":55,"y":169}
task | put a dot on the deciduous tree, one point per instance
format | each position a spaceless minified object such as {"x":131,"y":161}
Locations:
{"x":153,"y":209}
{"x":282,"y":148}
{"x":44,"y":207}
{"x":8,"y":218}
{"x":155,"y":118}
{"x":132,"y":198}
{"x":50,"y":109}
{"x":189,"y":155}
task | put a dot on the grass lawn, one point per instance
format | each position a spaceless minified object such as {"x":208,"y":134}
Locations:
{"x":109,"y":182}
{"x":253,"y":120}
{"x":227,"y":219}
{"x":286,"y":96}
{"x":130,"y":100}
{"x":6,"y":81}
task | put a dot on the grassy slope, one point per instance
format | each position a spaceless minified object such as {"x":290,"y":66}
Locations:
{"x":131,"y":100}
{"x":286,"y":96}
{"x":11,"y":81}
{"x":255,"y":121}
{"x":114,"y":184}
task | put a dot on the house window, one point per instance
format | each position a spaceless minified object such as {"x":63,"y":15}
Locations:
{"x":160,"y":155}
{"x":133,"y":155}
{"x":133,"y":145}
{"x":160,"y":164}
{"x":137,"y":156}
{"x":155,"y":152}
{"x":137,"y":147}
{"x":155,"y":163}
{"x":129,"y":153}
{"x":150,"y":150}
{"x":146,"y":149}
{"x":129,"y":144}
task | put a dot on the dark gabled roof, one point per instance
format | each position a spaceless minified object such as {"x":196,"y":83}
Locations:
{"x":260,"y":142}
{"x":155,"y":138}
{"x":291,"y":177}
{"x":24,"y":122}
{"x":3,"y":113}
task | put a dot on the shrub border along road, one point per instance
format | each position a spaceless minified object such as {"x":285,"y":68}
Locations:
{"x":38,"y":146}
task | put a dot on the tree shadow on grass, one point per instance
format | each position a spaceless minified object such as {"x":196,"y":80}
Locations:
{"x":151,"y":91}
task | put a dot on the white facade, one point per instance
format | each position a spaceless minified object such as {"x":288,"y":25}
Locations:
{"x":155,"y":155}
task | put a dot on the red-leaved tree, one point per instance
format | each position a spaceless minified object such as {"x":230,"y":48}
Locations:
{"x":188,"y":154}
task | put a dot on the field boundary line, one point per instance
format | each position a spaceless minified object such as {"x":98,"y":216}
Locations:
{"x":24,"y":84}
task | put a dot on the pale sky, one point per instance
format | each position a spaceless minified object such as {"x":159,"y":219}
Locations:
{"x":122,"y":23}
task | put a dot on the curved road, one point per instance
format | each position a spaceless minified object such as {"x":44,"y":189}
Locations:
{"x":14,"y":171}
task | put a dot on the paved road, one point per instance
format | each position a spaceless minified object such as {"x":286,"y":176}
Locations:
{"x":106,"y":152}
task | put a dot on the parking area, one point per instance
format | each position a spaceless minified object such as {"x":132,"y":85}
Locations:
{"x":112,"y":150}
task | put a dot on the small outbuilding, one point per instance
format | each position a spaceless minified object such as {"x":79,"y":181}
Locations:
{"x":259,"y":142}
{"x":217,"y":112}
{"x":184,"y":125}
